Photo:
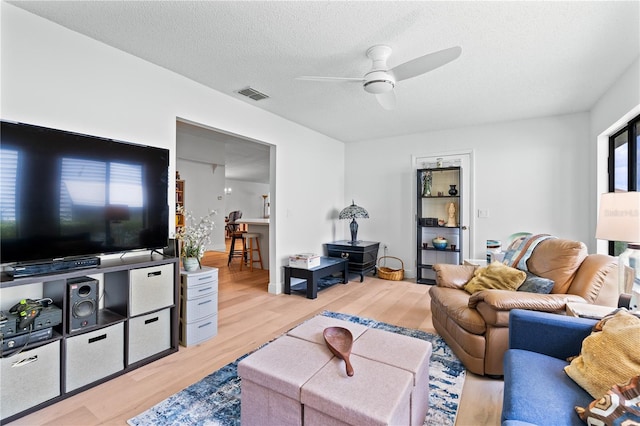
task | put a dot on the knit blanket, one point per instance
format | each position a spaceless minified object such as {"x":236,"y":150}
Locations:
{"x":520,"y":250}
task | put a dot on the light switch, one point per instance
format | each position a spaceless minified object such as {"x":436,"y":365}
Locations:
{"x":483,"y":213}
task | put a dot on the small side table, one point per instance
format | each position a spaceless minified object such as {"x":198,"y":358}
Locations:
{"x":362,"y":255}
{"x":328,"y":266}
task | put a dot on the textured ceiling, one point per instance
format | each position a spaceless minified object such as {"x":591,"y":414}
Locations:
{"x":519,"y":59}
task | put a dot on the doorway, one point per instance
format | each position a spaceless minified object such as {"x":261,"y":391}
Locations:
{"x":224,"y":172}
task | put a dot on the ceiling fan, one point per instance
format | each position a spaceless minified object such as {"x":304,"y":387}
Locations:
{"x":381,"y":80}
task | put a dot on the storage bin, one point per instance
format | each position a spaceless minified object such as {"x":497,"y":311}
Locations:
{"x":94,"y":355}
{"x":35,"y":374}
{"x":150,"y":289}
{"x":149,"y":334}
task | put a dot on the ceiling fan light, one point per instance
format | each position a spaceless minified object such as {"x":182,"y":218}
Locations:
{"x":377,"y":82}
{"x":378,"y":86}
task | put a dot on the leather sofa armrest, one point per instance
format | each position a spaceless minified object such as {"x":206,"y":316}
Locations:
{"x":453,"y":276}
{"x":505,"y":300}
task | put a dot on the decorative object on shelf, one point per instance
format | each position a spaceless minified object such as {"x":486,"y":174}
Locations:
{"x":453,"y":247}
{"x":441,"y":222}
{"x":452,"y":190}
{"x":619,"y":220}
{"x":194,"y":237}
{"x":440,"y":243}
{"x":427,"y":178}
{"x":190,"y":263}
{"x":438,"y":162}
{"x":451,"y":209}
{"x":353,"y":212}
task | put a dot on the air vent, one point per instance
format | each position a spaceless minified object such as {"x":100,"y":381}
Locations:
{"x":252,"y":93}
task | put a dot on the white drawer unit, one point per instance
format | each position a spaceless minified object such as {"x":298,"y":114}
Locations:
{"x":105,"y":344}
{"x":150,"y":289}
{"x":29,"y":378}
{"x":198,"y":305}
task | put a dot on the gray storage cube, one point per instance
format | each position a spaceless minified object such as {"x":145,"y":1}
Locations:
{"x":150,"y":289}
{"x":94,"y":355}
{"x":29,"y":378}
{"x":149,"y":334}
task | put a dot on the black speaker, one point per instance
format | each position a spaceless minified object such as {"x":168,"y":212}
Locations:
{"x":82,"y":311}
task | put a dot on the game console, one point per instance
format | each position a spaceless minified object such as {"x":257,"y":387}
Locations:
{"x":19,"y":340}
{"x":12,"y":323}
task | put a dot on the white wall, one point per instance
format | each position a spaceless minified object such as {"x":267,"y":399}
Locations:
{"x":203,"y":192}
{"x":531,"y":175}
{"x":57,"y":78}
{"x":246,"y":197}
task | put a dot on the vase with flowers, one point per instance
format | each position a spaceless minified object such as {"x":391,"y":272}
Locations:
{"x":193,"y":239}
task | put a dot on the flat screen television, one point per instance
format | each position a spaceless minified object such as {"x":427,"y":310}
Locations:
{"x":69,"y":195}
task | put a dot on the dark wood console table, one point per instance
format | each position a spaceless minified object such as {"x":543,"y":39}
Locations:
{"x":362,"y":255}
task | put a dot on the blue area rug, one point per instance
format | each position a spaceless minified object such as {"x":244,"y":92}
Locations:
{"x":215,"y":400}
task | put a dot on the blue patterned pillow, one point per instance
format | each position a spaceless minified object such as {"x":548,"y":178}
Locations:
{"x":536,"y":284}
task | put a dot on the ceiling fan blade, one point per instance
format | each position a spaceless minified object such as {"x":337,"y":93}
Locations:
{"x":332,"y":79}
{"x":426,"y":63}
{"x":387,"y":99}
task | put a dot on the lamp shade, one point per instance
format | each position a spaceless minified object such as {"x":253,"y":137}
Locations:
{"x":619,"y":217}
{"x":353,"y":212}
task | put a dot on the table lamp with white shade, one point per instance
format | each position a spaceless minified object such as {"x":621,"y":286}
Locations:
{"x":619,"y":220}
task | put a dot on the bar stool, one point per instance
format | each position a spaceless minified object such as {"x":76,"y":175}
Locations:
{"x":249,"y":249}
{"x":235,"y":236}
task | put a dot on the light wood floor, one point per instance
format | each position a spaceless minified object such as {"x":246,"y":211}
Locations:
{"x":248,"y":317}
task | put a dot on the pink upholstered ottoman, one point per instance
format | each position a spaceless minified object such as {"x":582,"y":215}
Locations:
{"x":407,"y":353}
{"x":377,"y":394}
{"x":272,"y":378}
{"x":312,"y":329}
{"x":296,"y":380}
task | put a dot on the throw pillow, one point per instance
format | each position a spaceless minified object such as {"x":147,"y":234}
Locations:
{"x":536,"y":284}
{"x":495,"y":276}
{"x":620,"y":405}
{"x":609,"y":356}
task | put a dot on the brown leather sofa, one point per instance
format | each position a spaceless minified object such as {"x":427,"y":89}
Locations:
{"x":476,"y":327}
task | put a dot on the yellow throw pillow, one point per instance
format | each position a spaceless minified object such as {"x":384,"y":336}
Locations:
{"x":495,"y":276}
{"x":608,"y":357}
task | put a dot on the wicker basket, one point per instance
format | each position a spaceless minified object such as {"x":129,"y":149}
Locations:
{"x":389,"y":273}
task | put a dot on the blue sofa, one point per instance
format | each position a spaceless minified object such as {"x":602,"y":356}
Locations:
{"x":536,"y":388}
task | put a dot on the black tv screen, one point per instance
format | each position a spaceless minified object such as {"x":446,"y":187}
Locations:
{"x":66,"y":195}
